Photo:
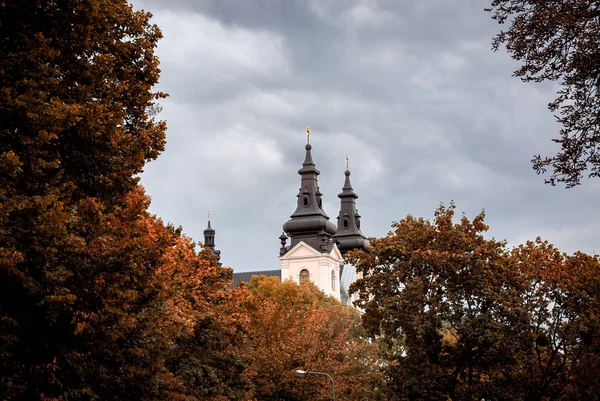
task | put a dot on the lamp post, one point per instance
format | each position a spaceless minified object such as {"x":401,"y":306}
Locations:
{"x":304,"y":373}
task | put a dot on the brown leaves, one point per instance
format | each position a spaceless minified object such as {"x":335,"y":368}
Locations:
{"x":473,"y":319}
{"x":75,"y":283}
{"x":76,"y":85}
{"x":560,"y":41}
{"x":98,"y":299}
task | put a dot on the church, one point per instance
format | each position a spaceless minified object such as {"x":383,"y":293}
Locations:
{"x":316,"y":245}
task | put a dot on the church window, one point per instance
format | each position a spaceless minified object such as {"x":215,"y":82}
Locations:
{"x":306,"y":201}
{"x":346,"y":224}
{"x":333,"y":280}
{"x":304,"y":275}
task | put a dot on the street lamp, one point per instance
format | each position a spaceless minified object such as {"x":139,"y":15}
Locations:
{"x":304,"y":373}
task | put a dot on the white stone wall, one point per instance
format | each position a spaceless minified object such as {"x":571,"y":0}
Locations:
{"x":319,"y":265}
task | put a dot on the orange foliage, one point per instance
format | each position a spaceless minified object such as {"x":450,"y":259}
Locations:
{"x":98,"y":299}
{"x":298,"y":327}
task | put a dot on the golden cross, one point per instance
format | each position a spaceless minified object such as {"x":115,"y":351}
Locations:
{"x":307,"y":135}
{"x":347,"y":161}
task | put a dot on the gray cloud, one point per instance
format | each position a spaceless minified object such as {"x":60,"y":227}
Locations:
{"x":410,"y":90}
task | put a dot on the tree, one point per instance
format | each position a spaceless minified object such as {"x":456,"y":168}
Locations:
{"x":75,"y":96}
{"x":465,"y":318}
{"x":560,"y":294}
{"x":204,"y":359}
{"x":559,"y":40}
{"x":431,"y":288}
{"x":298,"y":327}
{"x":98,"y":299}
{"x":75,"y":90}
{"x":144,"y":317}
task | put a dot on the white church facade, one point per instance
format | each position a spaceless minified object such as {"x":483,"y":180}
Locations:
{"x":316,"y":245}
{"x":303,"y":262}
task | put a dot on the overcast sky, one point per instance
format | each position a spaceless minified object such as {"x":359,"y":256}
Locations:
{"x":410,"y":90}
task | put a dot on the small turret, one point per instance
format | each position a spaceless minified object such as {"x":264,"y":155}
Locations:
{"x":283,"y":239}
{"x":209,"y":239}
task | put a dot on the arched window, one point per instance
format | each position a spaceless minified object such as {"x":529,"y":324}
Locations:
{"x":304,"y":275}
{"x":333,"y":280}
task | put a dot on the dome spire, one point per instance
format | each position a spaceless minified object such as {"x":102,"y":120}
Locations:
{"x":309,"y":165}
{"x":309,"y":223}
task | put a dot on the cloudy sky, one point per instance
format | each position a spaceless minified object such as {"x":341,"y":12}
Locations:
{"x":409,"y":89}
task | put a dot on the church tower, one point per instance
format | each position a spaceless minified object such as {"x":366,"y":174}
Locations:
{"x":348,"y":235}
{"x":312,"y":254}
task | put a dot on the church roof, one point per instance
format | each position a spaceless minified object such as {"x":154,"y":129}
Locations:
{"x":247,"y":276}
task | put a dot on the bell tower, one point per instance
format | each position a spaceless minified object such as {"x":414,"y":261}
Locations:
{"x":348,"y":235}
{"x":310,"y":223}
{"x":312,"y":254}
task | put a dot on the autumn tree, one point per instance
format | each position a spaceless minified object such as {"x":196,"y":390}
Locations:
{"x":75,"y":93}
{"x":559,"y":40}
{"x":431,"y":290}
{"x":97,"y":297}
{"x":465,"y":318}
{"x":560,"y":294}
{"x":298,"y":327}
{"x":151,"y":316}
{"x":205,"y":359}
